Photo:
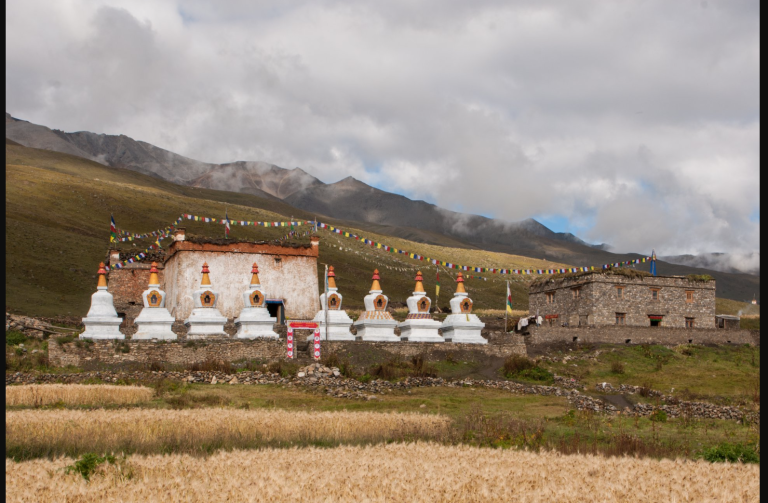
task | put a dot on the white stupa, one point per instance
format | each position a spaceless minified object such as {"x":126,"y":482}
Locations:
{"x":205,"y":320}
{"x":461,"y":325}
{"x":419,"y":325}
{"x":338,"y":320}
{"x":375,"y":323}
{"x":102,"y":321}
{"x":154,"y":320}
{"x":254,"y":321}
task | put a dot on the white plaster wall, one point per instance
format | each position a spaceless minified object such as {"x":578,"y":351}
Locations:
{"x":294,"y":280}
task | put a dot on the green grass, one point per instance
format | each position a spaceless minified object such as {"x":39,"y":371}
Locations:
{"x":726,"y":374}
{"x":58,"y":206}
{"x":733,"y":307}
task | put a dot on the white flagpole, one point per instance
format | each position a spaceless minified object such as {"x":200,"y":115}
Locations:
{"x":506,"y":311}
{"x":325,"y":304}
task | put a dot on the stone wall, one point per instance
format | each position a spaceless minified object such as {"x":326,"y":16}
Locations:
{"x":594,"y":299}
{"x":127,"y":284}
{"x":639,"y":335}
{"x":183,"y":352}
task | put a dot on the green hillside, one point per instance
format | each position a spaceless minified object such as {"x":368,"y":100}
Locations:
{"x":57,"y":231}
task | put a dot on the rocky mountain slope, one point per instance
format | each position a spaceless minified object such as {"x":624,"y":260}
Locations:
{"x":350,"y":202}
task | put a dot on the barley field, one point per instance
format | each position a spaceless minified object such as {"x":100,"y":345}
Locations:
{"x":34,"y":395}
{"x":38,"y":433}
{"x":414,"y":472}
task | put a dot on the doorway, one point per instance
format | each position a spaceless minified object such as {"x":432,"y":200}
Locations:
{"x":276,"y":309}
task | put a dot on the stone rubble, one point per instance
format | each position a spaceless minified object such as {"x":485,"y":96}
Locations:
{"x":32,"y":327}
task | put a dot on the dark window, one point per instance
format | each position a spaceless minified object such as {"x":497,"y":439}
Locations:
{"x":689,"y":322}
{"x":654,"y":294}
{"x":621,"y":318}
{"x":620,"y":292}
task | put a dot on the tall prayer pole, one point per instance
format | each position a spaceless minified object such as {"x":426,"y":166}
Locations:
{"x":506,"y":309}
{"x":325,"y":304}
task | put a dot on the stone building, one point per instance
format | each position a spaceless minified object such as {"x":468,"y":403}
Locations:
{"x":288,"y":272}
{"x":623,"y":297}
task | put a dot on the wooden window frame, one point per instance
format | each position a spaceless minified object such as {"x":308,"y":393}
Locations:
{"x":690,"y":322}
{"x":656,"y":292}
{"x":620,"y":292}
{"x":576,"y":293}
{"x":621,"y":318}
{"x":550,"y":297}
{"x":689,"y":296}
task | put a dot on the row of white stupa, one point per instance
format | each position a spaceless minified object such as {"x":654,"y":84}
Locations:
{"x":374,"y":324}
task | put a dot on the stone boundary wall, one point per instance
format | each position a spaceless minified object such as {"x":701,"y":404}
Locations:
{"x":639,"y":335}
{"x":182,"y":352}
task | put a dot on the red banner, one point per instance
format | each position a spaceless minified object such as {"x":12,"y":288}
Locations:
{"x":302,"y":324}
{"x":550,"y":316}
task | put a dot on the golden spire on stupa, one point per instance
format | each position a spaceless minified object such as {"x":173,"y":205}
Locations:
{"x":419,"y":284}
{"x":255,"y":275}
{"x":376,"y":285}
{"x":153,"y":278}
{"x":460,"y":286}
{"x":102,"y":276}
{"x":331,"y":277}
{"x":206,"y":280}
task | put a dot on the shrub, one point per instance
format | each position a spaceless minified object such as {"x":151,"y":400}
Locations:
{"x":88,"y":463}
{"x":701,"y":278}
{"x":537,"y":374}
{"x":522,"y":367}
{"x":516,"y":363}
{"x":14,"y":338}
{"x":658,"y":416}
{"x":617,"y":367}
{"x":65,"y":339}
{"x":283,"y":368}
{"x":421,"y":368}
{"x":731,"y":453}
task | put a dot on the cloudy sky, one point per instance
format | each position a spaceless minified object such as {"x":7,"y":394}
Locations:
{"x":634,"y":123}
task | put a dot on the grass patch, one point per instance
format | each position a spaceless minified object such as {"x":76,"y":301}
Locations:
{"x":14,"y":338}
{"x":520,"y":367}
{"x":723,"y":374}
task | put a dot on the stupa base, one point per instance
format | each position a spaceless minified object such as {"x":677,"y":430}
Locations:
{"x":205,"y":322}
{"x":464,"y":329}
{"x":102,"y":328}
{"x":377,"y":330}
{"x":155,"y":323}
{"x":338,"y":326}
{"x":420,"y":330}
{"x":255,"y":323}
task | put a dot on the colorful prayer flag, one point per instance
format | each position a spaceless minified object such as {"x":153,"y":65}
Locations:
{"x":112,"y":229}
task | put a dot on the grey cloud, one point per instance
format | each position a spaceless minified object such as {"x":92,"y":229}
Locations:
{"x":639,"y":118}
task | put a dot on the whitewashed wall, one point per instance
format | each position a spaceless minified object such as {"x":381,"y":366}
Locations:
{"x":294,"y":280}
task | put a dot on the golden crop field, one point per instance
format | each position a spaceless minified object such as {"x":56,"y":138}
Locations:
{"x":413,"y":472}
{"x":33,"y":395}
{"x":31,"y":433}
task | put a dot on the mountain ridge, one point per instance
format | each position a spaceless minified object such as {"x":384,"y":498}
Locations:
{"x":347,"y":200}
